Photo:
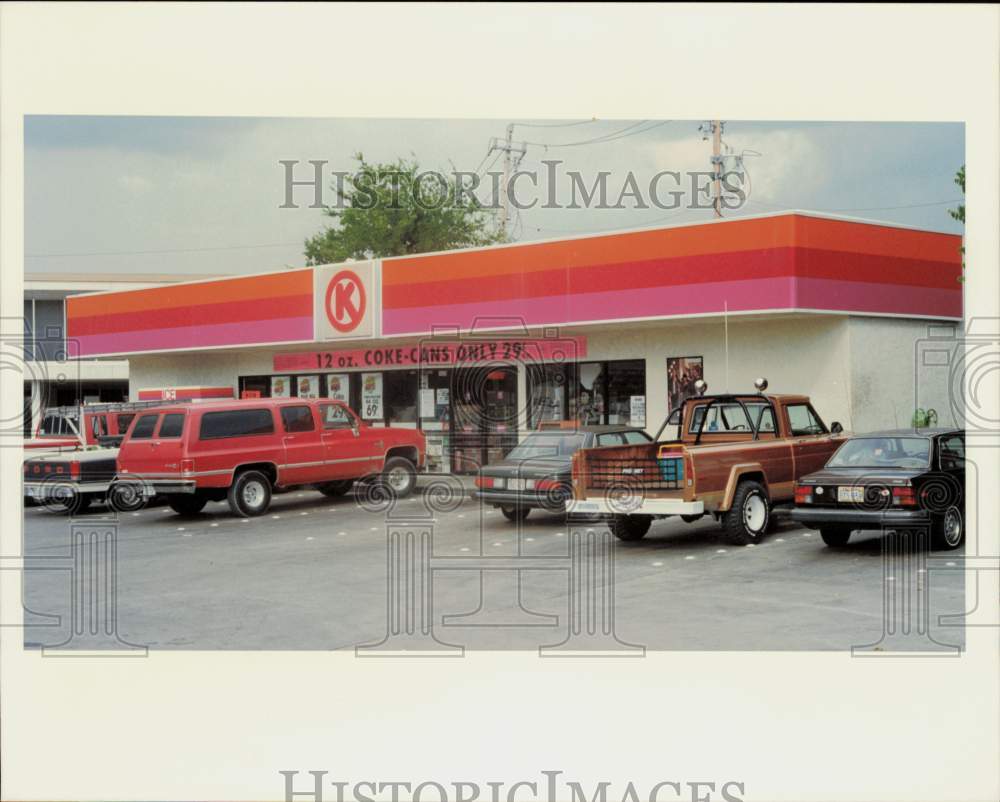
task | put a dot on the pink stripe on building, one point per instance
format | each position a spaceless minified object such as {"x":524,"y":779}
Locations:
{"x":218,"y":335}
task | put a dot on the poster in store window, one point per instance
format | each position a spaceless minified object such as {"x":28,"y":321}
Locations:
{"x":338,"y":387}
{"x":281,"y":387}
{"x":371,"y":396}
{"x":308,"y":386}
{"x":682,"y":373}
{"x":637,"y":411}
{"x":426,"y":403}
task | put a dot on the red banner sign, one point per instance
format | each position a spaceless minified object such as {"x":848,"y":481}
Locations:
{"x":437,"y":352}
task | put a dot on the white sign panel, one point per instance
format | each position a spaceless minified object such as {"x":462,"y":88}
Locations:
{"x":281,"y":387}
{"x":637,"y":411}
{"x":308,"y":386}
{"x":371,"y":396}
{"x":338,"y":387}
{"x":426,"y":403}
{"x":344,"y":301}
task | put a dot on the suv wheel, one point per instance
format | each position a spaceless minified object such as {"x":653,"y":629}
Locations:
{"x":630,"y":527}
{"x":514,"y":513}
{"x":250,"y":494}
{"x":187,"y":504}
{"x":835,"y":535}
{"x":337,"y":488}
{"x":746,"y":521}
{"x":400,"y":475}
{"x":948,"y":530}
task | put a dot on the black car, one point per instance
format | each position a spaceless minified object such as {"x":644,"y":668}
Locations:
{"x":900,"y":480}
{"x":537,"y":472}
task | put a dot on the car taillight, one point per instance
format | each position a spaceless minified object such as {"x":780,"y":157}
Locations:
{"x":904,"y":496}
{"x":484,"y":481}
{"x":187,"y":466}
{"x":547,"y":484}
{"x":803,"y":494}
{"x":74,"y":470}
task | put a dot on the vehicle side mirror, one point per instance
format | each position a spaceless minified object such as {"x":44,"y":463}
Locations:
{"x":836,"y":428}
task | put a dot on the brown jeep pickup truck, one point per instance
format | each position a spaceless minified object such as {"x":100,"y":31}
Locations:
{"x":734,"y":457}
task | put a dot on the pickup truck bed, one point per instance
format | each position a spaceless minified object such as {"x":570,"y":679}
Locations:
{"x":736,"y":471}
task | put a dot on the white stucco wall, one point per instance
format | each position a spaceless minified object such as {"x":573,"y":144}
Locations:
{"x":896,"y":366}
{"x":859,"y":371}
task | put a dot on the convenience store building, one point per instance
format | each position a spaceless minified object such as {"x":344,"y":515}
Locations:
{"x":477,"y":346}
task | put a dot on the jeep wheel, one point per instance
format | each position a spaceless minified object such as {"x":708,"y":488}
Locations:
{"x":948,"y":530}
{"x":337,"y":488}
{"x":400,"y":475}
{"x":630,"y":527}
{"x":835,"y":535}
{"x":187,"y":504}
{"x":250,"y":494}
{"x":514,"y":513}
{"x":746,"y":521}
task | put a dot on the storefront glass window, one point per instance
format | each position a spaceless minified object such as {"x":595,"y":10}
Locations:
{"x":590,"y":393}
{"x":547,"y":386}
{"x":625,"y":380}
{"x":399,"y":389}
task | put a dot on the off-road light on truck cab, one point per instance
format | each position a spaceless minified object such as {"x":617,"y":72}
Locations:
{"x":760,"y":384}
{"x":701,"y":387}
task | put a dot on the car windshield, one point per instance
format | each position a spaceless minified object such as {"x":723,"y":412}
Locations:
{"x":547,"y":445}
{"x":882,"y":452}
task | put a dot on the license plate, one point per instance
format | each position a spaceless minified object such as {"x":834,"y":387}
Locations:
{"x":851,"y":495}
{"x":515,"y":484}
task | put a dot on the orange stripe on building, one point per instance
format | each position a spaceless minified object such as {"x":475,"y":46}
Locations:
{"x":241,"y":288}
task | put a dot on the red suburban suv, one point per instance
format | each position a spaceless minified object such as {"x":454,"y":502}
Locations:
{"x":243,"y":450}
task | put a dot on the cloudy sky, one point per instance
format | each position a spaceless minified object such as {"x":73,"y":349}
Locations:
{"x":202,"y":195}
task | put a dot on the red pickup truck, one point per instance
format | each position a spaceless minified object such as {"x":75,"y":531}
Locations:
{"x":244,"y":450}
{"x":73,"y":427}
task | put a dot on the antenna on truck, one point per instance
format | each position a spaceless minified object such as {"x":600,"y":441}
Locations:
{"x":725,"y":320}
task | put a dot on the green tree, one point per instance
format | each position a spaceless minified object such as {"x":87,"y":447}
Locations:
{"x":395,"y":209}
{"x":959,"y":213}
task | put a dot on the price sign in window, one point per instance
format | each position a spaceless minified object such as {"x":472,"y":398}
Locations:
{"x":371,"y":396}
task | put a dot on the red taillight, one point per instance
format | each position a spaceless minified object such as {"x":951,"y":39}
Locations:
{"x":904,"y":496}
{"x":484,"y":481}
{"x":803,"y":494}
{"x":74,"y":470}
{"x":547,"y":484}
{"x":187,"y":466}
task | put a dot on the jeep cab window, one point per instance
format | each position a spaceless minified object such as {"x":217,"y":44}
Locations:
{"x":803,"y":421}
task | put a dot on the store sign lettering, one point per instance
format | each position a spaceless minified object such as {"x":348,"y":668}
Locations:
{"x":428,"y":355}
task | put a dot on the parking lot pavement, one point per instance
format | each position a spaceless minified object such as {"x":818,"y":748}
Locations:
{"x":313,"y":574}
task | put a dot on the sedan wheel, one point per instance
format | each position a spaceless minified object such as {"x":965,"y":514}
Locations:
{"x":949,"y":529}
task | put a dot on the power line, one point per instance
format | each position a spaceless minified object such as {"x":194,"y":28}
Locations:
{"x":165,"y":250}
{"x":857,"y":209}
{"x":557,"y":125}
{"x":621,"y":134}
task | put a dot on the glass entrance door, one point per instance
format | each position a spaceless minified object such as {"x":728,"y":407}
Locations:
{"x":484,"y":416}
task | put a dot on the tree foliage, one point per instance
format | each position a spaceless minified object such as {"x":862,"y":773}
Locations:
{"x":959,"y":213}
{"x":394,"y":209}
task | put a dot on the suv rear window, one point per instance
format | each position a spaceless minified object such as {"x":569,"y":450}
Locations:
{"x":124,"y":419}
{"x":173,"y":425}
{"x":236,"y":423}
{"x":144,"y":427}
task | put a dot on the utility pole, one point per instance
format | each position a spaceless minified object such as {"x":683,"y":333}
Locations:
{"x":508,"y":147}
{"x":717,"y":165}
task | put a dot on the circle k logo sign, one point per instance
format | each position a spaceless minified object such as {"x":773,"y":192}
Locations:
{"x":345,"y":301}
